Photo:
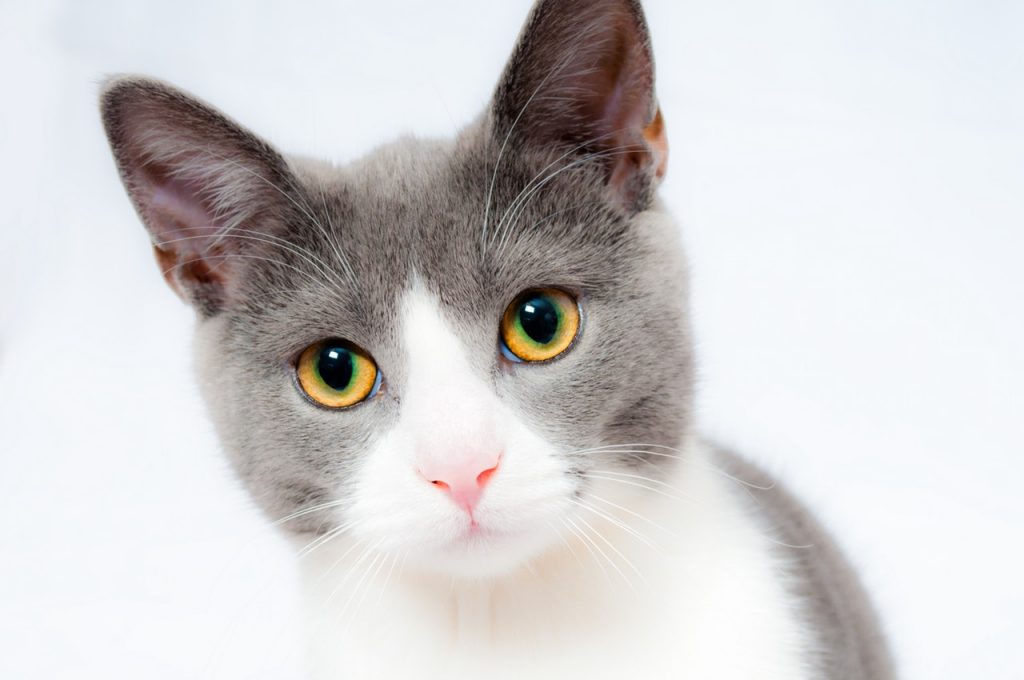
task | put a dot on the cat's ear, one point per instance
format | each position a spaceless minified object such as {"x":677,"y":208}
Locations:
{"x":581,"y":80}
{"x":204,"y":186}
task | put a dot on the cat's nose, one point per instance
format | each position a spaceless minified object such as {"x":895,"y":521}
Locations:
{"x":463,"y":478}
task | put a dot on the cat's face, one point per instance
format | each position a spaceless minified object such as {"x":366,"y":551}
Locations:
{"x":443,"y":349}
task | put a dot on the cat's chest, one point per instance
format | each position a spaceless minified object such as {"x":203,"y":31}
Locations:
{"x":704,"y":601}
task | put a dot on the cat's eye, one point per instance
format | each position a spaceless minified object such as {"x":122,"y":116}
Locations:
{"x":337,"y":374}
{"x":540,"y":324}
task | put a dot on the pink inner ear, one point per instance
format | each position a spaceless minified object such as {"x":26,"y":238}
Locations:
{"x":185,"y":230}
{"x":180,"y":219}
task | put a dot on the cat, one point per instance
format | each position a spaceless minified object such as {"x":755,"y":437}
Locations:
{"x":459,"y":376}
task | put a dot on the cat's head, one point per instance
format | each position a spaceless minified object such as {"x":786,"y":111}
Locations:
{"x":444,"y":349}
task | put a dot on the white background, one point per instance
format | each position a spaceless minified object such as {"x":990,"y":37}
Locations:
{"x":848,"y":177}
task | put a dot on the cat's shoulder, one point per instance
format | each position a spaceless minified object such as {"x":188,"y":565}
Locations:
{"x":833,"y":603}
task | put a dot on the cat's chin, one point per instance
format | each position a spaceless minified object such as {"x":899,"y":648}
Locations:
{"x":481,"y":553}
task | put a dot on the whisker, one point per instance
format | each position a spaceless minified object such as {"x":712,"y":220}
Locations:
{"x":303,"y":207}
{"x":225,"y":257}
{"x":367,"y":551}
{"x":626,"y":479}
{"x":579,"y":534}
{"x":540,"y":174}
{"x":638,"y":485}
{"x":616,"y":522}
{"x":334,"y":565}
{"x":501,"y":152}
{"x":568,"y":545}
{"x":616,"y":551}
{"x":512,"y":220}
{"x":321,"y":540}
{"x":610,"y":448}
{"x":364,"y":586}
{"x":387,"y":578}
{"x":309,"y":257}
{"x":641,"y":478}
{"x":332,"y":239}
{"x":306,"y":511}
{"x":601,"y":552}
{"x":633,"y":513}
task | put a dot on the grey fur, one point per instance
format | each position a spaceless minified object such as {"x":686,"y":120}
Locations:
{"x":842,"y":621}
{"x":298,"y":250}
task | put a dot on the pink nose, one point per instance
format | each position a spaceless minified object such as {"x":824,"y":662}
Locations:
{"x":464,"y":479}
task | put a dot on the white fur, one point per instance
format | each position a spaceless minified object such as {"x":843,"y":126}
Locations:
{"x":690,"y":591}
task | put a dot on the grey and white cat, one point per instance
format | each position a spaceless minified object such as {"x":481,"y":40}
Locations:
{"x":459,"y":375}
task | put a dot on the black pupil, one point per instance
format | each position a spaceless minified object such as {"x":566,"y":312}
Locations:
{"x":335,"y":367}
{"x":539,"y":318}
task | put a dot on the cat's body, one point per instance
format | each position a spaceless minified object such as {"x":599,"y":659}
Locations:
{"x":459,"y":375}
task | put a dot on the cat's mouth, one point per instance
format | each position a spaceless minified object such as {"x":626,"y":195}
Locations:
{"x":477,"y":532}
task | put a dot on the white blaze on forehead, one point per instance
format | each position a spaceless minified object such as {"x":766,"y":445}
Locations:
{"x":450,"y":409}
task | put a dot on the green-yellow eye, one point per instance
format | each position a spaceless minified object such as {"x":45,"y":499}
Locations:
{"x":336,"y":374}
{"x":540,"y":324}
